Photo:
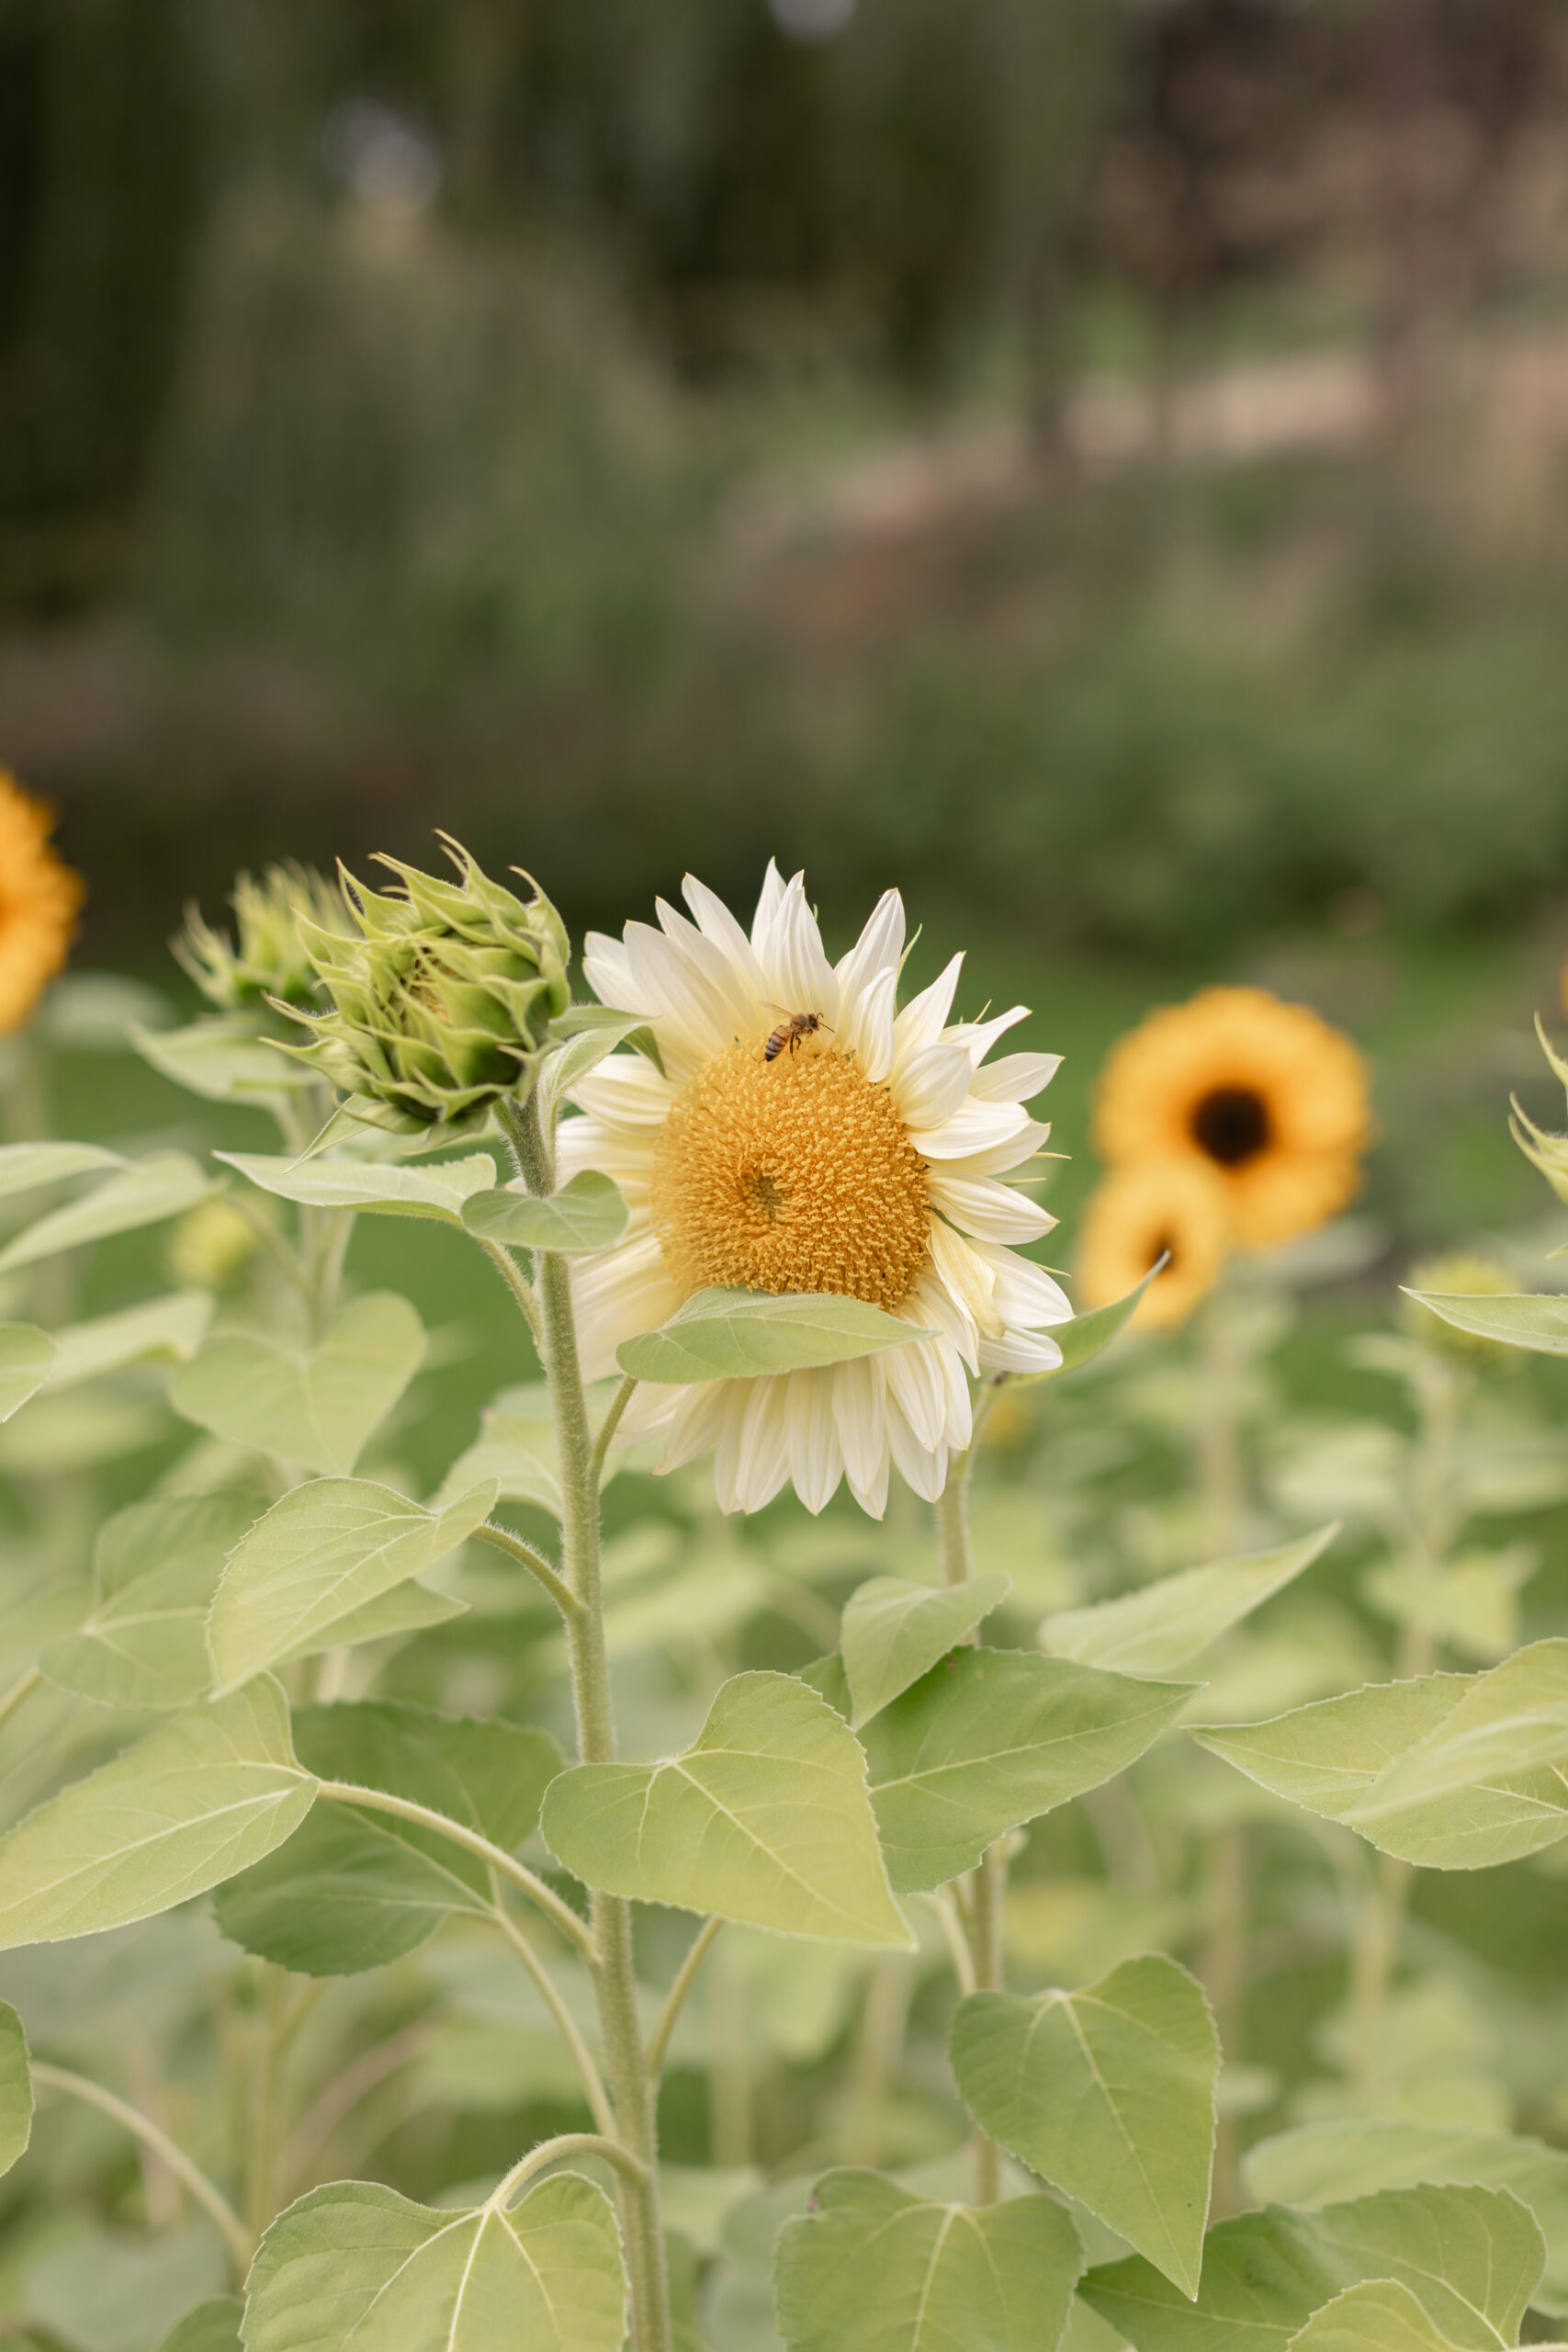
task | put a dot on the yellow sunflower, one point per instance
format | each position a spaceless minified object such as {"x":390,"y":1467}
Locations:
{"x":38,"y":902}
{"x":1138,"y":1216}
{"x":1262,"y":1094}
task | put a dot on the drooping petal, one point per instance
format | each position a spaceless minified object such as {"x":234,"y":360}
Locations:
{"x":761,"y":1463}
{"x":816,"y":1454}
{"x":1020,"y":1351}
{"x":999,"y":1158}
{"x":1026,"y":1295}
{"x":698,"y":1420}
{"x":966,"y":1274}
{"x":860,"y":1400}
{"x":920,"y":1466}
{"x":915,"y":1383}
{"x":618,"y":1293}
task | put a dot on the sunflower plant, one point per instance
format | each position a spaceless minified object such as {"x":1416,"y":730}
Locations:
{"x":620,"y":1879}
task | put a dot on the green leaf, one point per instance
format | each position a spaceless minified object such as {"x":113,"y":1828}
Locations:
{"x":144,"y":1193}
{"x":1537,"y":1323}
{"x":409,"y":1608}
{"x":1453,"y":1772}
{"x":1088,"y":1336}
{"x":764,"y":1818}
{"x":893,"y":1631}
{"x":16,"y":2088}
{"x":225,"y":1057}
{"x":358,"y":2268}
{"x":516,"y":1447}
{"x":738,"y":1334}
{"x":880,"y":2269}
{"x":1382,"y":2316}
{"x":213,"y":2326}
{"x":24,"y":1167}
{"x":202,"y":1797}
{"x":1161,"y":1628}
{"x":382,"y":1190}
{"x":326,"y":1550}
{"x":98,"y":2291}
{"x":316,"y":1407}
{"x":1470,"y":2256}
{"x":1321,"y":2162}
{"x":591,"y":1031}
{"x":351,"y":1889}
{"x":1109,"y":2094}
{"x":174,"y":1327}
{"x":155,"y":1570}
{"x":25,"y":1355}
{"x":994,"y":1737}
{"x":586,"y":1215}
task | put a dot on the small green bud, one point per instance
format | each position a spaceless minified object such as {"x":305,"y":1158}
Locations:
{"x":270,"y":958}
{"x":1459,"y":1273}
{"x":442,"y":996}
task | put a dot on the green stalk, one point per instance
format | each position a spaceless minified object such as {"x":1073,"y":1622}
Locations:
{"x":988,"y":1880}
{"x":632,"y":2096}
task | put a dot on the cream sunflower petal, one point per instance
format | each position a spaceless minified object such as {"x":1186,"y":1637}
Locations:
{"x":737,"y":1000}
{"x":696,"y":1426}
{"x":789,"y":948}
{"x":917,"y":1385}
{"x":719,"y":927}
{"x":617,"y":1294}
{"x":1026,"y":1295}
{"x":999,"y":1158}
{"x":929,"y":1086}
{"x":1017,"y":1078}
{"x":878,"y":949}
{"x":920,"y":1466}
{"x":920,"y":1023}
{"x":966,"y":1276}
{"x":815,"y":1455}
{"x":689,"y":1016}
{"x":752,"y":1459}
{"x":625,"y":1091}
{"x":1020,"y":1351}
{"x":992,"y":1211}
{"x":865,"y":1027}
{"x":872,"y":1496}
{"x":860,"y":1409}
{"x":932,"y":1304}
{"x":981,"y":1036}
{"x":974,"y":1127}
{"x":608,"y":968}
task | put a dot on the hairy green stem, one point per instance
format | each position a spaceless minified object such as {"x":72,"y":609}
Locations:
{"x":620,"y":2159}
{"x":633,"y":2095}
{"x":612,"y":1422}
{"x":538,"y":1568}
{"x":988,"y":1880}
{"x":561,"y":1914}
{"x":517,"y":1283}
{"x":213,"y":2202}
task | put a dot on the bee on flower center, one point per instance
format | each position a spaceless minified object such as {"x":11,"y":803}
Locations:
{"x":790,"y":1032}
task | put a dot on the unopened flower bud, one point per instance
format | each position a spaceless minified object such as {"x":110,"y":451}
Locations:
{"x":268,"y":958}
{"x":442,"y":996}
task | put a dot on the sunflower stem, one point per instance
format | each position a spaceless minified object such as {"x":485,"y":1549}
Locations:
{"x":633,"y":2094}
{"x":988,"y":1880}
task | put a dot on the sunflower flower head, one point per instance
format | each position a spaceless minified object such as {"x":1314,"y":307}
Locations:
{"x":801,"y":1133}
{"x":39,"y":900}
{"x":1264,"y":1096}
{"x":440,"y":994}
{"x":1175,"y":1209}
{"x":266,"y":956}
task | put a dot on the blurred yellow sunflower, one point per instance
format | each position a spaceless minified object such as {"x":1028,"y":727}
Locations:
{"x":40,"y":899}
{"x":1264,"y":1095}
{"x":1140,"y":1215}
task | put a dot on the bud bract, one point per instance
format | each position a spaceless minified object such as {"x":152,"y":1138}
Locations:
{"x":441,"y":997}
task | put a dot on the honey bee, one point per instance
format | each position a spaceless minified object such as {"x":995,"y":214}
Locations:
{"x":791,"y":1031}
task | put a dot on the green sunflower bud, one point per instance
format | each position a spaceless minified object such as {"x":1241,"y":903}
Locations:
{"x":269,"y":957}
{"x":1462,"y":1273}
{"x":441,"y":997}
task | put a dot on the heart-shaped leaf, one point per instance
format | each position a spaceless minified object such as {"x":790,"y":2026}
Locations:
{"x":1453,"y":1772}
{"x":1109,"y":2094}
{"x":16,"y":2088}
{"x":356,"y":2265}
{"x":764,"y":1818}
{"x":172,"y":1326}
{"x":25,"y":1356}
{"x":213,"y":2326}
{"x":1382,"y":2316}
{"x":155,"y":1568}
{"x":738,"y":1334}
{"x":205,"y":1795}
{"x":586,"y":1215}
{"x":352,"y":1890}
{"x":892,"y":1632}
{"x":376,"y":1186}
{"x":992,"y":1738}
{"x":316,"y":1407}
{"x":1321,"y":2164}
{"x":144,"y":1193}
{"x":1163,"y":1627}
{"x":325,"y":1551}
{"x":875,"y":2267}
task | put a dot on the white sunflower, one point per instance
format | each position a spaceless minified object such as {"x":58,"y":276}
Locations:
{"x":862,"y":1159}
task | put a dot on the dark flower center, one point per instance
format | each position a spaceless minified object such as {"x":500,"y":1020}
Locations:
{"x":1231,"y":1124}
